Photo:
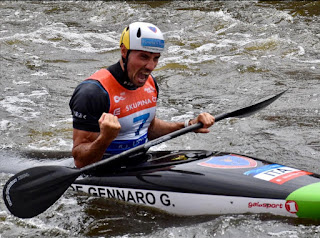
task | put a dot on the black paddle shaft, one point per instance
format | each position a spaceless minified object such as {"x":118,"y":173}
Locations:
{"x":32,"y":191}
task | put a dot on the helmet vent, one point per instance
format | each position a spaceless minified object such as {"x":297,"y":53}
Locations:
{"x":139,"y":33}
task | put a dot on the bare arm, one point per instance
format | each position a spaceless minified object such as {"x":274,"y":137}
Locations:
{"x":159,"y":127}
{"x":89,"y":147}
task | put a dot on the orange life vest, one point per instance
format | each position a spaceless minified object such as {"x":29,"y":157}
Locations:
{"x":134,"y":108}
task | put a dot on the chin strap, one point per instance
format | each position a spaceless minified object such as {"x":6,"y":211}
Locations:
{"x":125,"y":63}
{"x":125,"y":66}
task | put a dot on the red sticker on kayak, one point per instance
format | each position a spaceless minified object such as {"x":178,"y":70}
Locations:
{"x":292,"y":206}
{"x":230,"y":161}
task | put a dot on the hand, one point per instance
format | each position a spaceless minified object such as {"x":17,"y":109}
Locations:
{"x":206,"y":119}
{"x":109,"y":126}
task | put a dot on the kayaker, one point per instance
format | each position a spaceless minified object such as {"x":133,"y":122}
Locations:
{"x":114,"y":109}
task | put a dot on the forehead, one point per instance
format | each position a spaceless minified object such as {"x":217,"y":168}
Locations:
{"x":150,"y":54}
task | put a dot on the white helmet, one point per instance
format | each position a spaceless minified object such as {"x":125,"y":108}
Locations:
{"x":142,"y":36}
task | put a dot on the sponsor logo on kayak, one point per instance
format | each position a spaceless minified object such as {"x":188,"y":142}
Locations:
{"x":230,"y":161}
{"x":292,"y":206}
{"x":265,"y":205}
{"x":134,"y":196}
{"x":276,"y":173}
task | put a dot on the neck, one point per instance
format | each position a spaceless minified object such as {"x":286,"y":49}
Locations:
{"x":121,"y":64}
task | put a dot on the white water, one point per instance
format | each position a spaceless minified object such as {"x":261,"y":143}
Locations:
{"x":219,"y":56}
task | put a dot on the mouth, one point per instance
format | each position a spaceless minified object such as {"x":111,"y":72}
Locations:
{"x":142,"y":77}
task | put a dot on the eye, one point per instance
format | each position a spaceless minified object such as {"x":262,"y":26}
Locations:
{"x":144,"y":56}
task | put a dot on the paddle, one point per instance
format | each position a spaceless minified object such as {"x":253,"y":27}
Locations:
{"x":32,"y":191}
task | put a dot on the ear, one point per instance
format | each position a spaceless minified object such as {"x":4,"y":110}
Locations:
{"x":124,"y":51}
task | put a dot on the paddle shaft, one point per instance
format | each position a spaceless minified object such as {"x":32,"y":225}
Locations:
{"x":243,"y":112}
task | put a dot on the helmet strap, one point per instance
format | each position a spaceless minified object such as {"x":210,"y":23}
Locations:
{"x":125,"y":66}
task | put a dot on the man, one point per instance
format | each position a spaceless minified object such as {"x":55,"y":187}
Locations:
{"x":114,"y":109}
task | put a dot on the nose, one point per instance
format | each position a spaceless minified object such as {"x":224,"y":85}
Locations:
{"x":151,"y":65}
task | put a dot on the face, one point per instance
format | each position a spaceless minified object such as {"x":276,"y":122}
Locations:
{"x":140,"y":65}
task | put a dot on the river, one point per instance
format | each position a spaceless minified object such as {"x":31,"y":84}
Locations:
{"x":219,"y":56}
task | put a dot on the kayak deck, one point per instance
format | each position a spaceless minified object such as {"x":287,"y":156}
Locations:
{"x":219,"y":182}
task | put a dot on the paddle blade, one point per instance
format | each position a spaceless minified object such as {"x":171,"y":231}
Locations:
{"x":248,"y":111}
{"x":32,"y":191}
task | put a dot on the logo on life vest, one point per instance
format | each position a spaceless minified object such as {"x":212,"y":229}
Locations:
{"x":149,"y":90}
{"x":119,"y":98}
{"x":116,"y":112}
{"x":141,"y":103}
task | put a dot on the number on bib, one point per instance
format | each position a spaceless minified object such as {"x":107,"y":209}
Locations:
{"x":142,"y":118}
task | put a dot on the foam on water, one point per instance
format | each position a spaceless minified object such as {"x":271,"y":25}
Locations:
{"x":20,"y":82}
{"x":40,"y":74}
{"x":208,"y":50}
{"x":5,"y":125}
{"x":23,"y":105}
{"x":12,"y":105}
{"x":56,"y":143}
{"x":59,"y":35}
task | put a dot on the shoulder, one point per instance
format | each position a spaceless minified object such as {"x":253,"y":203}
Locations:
{"x":90,"y":87}
{"x":87,"y":103}
{"x":90,"y":96}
